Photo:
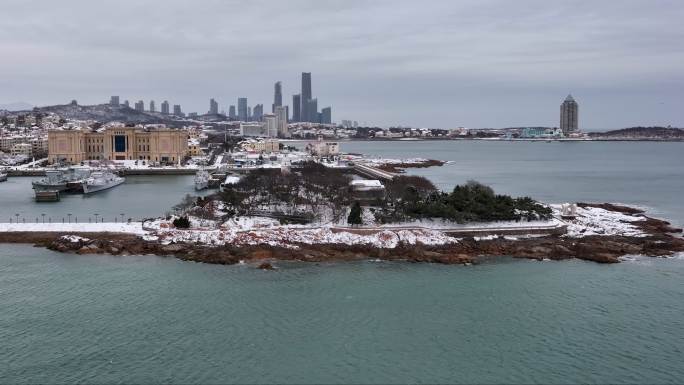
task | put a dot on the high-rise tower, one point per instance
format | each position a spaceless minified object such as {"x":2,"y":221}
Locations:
{"x":277,"y":96}
{"x":305,"y":96}
{"x":213,"y":107}
{"x":296,"y":107}
{"x":569,"y":112}
{"x":243,"y":115}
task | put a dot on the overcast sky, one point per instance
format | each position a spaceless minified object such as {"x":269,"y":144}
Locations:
{"x":473,"y":63}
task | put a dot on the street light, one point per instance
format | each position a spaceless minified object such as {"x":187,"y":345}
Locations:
{"x":43,"y":215}
{"x":122,"y":215}
{"x":96,"y":215}
{"x":17,"y":215}
{"x":69,"y":215}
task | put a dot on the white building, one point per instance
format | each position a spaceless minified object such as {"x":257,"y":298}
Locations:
{"x":281,"y":121}
{"x":22,"y":149}
{"x":253,"y":129}
{"x":271,"y":122}
{"x":260,"y":146}
{"x":366,"y":185}
{"x":323,"y":148}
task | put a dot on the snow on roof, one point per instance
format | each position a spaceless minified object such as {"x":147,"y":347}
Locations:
{"x":232,"y":179}
{"x":368,"y":183}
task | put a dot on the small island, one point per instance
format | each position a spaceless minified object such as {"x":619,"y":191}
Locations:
{"x":317,"y":213}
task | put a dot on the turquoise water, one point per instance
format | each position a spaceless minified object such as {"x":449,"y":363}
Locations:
{"x":647,"y":174}
{"x":145,"y":319}
{"x":69,"y":318}
{"x":139,"y":197}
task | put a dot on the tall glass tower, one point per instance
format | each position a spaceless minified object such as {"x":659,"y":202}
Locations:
{"x":569,"y":112}
{"x":306,"y":96}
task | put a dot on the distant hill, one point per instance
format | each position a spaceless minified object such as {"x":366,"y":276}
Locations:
{"x":643,"y":132}
{"x":212,"y":118}
{"x":105,"y":113}
{"x":16,"y":106}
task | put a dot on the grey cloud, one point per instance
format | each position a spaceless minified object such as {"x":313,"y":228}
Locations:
{"x":433,"y":63}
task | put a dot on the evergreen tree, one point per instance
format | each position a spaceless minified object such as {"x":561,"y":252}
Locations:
{"x":354,"y":217}
{"x":181,"y":223}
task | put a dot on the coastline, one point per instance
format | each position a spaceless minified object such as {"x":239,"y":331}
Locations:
{"x":646,"y":236}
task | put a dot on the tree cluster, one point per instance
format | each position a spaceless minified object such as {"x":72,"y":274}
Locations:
{"x":306,"y":191}
{"x":416,"y":198}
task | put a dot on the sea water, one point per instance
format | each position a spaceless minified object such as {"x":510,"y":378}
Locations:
{"x":147,"y":319}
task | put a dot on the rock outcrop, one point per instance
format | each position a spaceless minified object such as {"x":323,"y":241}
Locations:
{"x":658,"y":240}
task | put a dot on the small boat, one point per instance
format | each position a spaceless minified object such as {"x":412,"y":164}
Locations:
{"x":101,"y":180}
{"x":54,"y":181}
{"x":202,"y":180}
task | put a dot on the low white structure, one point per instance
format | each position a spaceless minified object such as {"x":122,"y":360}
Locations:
{"x":323,"y":148}
{"x":260,"y":145}
{"x":569,"y":210}
{"x":366,"y":185}
{"x":253,"y":129}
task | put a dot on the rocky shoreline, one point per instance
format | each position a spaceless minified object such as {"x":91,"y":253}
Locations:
{"x":659,"y":239}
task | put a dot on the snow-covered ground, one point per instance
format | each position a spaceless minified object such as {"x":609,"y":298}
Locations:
{"x":259,"y":230}
{"x":288,"y":236}
{"x":131,"y":228}
{"x":597,"y":221}
{"x":440,"y":224}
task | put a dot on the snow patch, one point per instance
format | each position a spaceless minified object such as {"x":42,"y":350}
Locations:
{"x":74,"y":238}
{"x":598,"y":221}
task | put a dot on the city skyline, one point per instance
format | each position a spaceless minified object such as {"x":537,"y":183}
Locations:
{"x":457,"y":62}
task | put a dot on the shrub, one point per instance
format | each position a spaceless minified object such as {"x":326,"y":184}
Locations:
{"x":181,"y":223}
{"x":354,"y":217}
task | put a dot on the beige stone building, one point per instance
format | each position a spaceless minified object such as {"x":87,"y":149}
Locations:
{"x":267,"y":145}
{"x":162,"y":145}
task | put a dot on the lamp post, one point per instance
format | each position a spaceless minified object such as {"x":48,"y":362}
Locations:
{"x":96,"y":215}
{"x":69,"y":215}
{"x":43,"y":215}
{"x":17,"y":215}
{"x":122,"y":216}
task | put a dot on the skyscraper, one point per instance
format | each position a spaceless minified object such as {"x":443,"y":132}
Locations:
{"x":258,"y":112}
{"x":213,"y":107}
{"x":296,"y":107}
{"x":152,"y":106}
{"x":249,"y":113}
{"x":326,"y":115}
{"x":281,"y":121}
{"x":231,"y":113}
{"x":277,"y":96}
{"x":165,"y":107}
{"x":569,"y":115}
{"x":312,"y":110}
{"x":114,"y":101}
{"x":305,"y":115}
{"x":177,"y":110}
{"x":127,"y":104}
{"x":242,"y":109}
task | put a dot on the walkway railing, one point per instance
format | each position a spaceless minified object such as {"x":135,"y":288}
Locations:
{"x":69,"y":218}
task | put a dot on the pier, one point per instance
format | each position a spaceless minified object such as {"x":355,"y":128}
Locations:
{"x":372,"y":172}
